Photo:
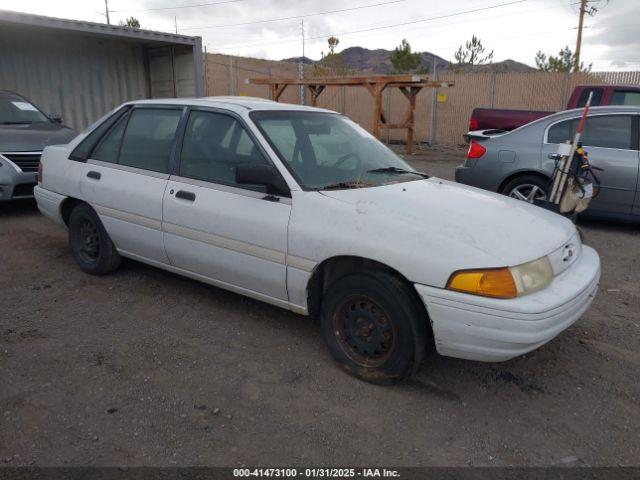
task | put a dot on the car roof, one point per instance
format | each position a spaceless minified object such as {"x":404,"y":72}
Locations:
{"x":576,"y":112}
{"x":239,"y":103}
{"x":7,"y":93}
{"x":604,"y":109}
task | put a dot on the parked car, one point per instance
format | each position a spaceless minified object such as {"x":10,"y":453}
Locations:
{"x":24,"y":131}
{"x":603,"y":95}
{"x":302,"y":208}
{"x":520,"y":163}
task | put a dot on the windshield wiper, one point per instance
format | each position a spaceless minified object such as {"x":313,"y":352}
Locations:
{"x":397,"y":170}
{"x":16,"y":123}
{"x":344,"y":185}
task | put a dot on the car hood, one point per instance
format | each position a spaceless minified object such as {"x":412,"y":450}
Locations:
{"x":33,"y":137}
{"x":463,"y":226}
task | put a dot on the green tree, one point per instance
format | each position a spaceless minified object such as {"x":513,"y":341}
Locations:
{"x":331,"y":64}
{"x":333,"y":43}
{"x":404,"y":60}
{"x":473,"y":53}
{"x":132,"y":22}
{"x":564,"y":62}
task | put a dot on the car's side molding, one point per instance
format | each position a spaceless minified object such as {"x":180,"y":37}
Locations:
{"x":276,"y":256}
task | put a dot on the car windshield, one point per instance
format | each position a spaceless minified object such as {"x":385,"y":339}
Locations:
{"x":329,"y":151}
{"x":17,"y":111}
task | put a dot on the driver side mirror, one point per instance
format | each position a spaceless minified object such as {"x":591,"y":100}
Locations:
{"x":55,"y":117}
{"x":265,"y":175}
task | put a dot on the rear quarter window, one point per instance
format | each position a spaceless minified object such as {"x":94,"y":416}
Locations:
{"x":84,"y":149}
{"x":561,"y":131}
{"x":584,"y":96}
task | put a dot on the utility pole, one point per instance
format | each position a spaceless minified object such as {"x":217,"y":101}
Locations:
{"x":106,"y":11}
{"x":583,"y":8}
{"x":175,"y":22}
{"x":301,"y":65}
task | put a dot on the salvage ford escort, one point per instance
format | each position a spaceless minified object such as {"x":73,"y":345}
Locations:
{"x":302,"y":208}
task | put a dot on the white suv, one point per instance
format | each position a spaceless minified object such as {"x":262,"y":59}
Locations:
{"x":302,"y":208}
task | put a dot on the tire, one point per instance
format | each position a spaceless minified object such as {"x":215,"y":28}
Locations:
{"x":526,"y":188}
{"x":383,"y":333}
{"x":92,"y":249}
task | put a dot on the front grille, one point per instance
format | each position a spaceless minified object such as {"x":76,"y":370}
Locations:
{"x":28,"y":162}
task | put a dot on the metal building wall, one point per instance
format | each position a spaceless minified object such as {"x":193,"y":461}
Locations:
{"x":79,"y":76}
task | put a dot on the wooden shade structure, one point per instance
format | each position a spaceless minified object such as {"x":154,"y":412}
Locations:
{"x":409,"y":85}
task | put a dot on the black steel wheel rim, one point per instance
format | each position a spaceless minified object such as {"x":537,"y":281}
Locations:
{"x":89,"y":240}
{"x":364,"y":331}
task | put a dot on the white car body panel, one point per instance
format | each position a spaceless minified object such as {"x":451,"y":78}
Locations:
{"x":228,"y":233}
{"x":403,"y":224}
{"x":424,"y":229}
{"x":129,"y":203}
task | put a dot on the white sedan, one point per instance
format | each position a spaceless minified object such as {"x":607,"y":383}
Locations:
{"x":301,"y":208}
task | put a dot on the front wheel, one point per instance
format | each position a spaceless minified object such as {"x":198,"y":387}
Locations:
{"x":92,"y":249}
{"x":374,"y":327}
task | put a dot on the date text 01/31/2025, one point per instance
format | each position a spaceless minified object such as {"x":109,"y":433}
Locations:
{"x":316,"y":472}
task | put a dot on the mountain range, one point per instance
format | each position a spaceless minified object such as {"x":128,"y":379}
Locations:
{"x":379,"y":62}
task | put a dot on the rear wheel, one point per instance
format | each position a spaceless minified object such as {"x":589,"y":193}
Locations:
{"x":527,"y":188}
{"x":92,"y":249}
{"x":374,"y":327}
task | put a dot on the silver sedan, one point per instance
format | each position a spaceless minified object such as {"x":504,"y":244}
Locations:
{"x":519,"y":163}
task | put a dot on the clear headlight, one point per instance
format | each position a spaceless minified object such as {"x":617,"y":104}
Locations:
{"x":532,"y":276}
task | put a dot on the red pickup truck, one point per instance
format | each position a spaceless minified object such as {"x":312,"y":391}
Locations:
{"x":496,"y":119}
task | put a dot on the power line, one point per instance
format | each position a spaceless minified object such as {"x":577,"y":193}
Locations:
{"x":296,"y":17}
{"x":179,"y":6}
{"x":411,"y":22}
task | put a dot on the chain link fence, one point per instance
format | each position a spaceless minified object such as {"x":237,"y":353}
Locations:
{"x":441,"y":115}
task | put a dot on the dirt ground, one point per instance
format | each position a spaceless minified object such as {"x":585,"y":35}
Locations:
{"x":143,"y":367}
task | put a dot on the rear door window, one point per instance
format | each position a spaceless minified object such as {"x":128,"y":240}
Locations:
{"x":605,"y":131}
{"x":608,"y":131}
{"x":622,"y":97}
{"x":149,"y":138}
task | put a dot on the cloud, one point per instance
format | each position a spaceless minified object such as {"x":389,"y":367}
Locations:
{"x":515,"y":31}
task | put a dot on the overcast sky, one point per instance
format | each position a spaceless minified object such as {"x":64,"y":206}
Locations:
{"x":514,"y":29}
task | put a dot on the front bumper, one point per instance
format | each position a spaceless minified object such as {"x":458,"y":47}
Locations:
{"x":493,"y":330}
{"x":15,"y":185}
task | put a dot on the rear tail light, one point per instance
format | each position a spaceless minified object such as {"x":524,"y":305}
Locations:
{"x":475,"y":150}
{"x":473,"y":124}
{"x":40,"y":173}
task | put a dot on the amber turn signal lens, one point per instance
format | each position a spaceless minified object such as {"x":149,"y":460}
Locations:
{"x":496,"y":283}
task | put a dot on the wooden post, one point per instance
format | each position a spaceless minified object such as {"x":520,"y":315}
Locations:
{"x":378,"y":114}
{"x":315,"y":91}
{"x":409,"y":85}
{"x":277,"y":89}
{"x":411,"y":127}
{"x":409,"y":117}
